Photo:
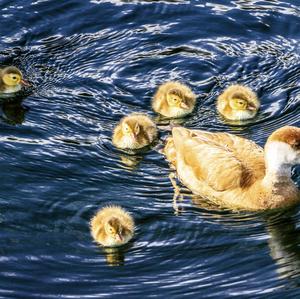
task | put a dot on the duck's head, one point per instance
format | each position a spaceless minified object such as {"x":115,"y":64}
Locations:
{"x":115,"y":230}
{"x":240,"y":103}
{"x":283,"y":147}
{"x":131,"y":129}
{"x":175,"y":98}
{"x":12,"y":76}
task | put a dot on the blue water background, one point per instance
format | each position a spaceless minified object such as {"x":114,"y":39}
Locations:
{"x":91,"y":62}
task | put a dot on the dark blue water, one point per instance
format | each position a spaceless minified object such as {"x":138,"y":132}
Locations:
{"x":91,"y":62}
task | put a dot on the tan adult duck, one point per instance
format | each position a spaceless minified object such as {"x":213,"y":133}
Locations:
{"x":236,"y":172}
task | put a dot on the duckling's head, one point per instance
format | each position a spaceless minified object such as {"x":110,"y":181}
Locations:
{"x":115,"y":230}
{"x":131,"y":129}
{"x":175,"y":98}
{"x":12,"y":76}
{"x":240,"y":103}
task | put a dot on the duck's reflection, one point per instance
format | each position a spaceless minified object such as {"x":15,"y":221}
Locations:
{"x":13,"y":112}
{"x":284,"y":245}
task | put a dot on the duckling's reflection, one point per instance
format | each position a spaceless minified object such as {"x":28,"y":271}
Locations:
{"x":166,"y":124}
{"x":130,"y":161}
{"x":284,"y":245}
{"x":13,"y":112}
{"x":114,"y":256}
{"x":131,"y":158}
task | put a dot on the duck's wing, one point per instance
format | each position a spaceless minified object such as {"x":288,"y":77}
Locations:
{"x":220,"y":160}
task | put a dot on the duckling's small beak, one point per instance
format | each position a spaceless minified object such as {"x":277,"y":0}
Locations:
{"x":251,"y":107}
{"x":184,"y":105}
{"x":133,"y":136}
{"x":119,"y":237}
{"x":25,"y":83}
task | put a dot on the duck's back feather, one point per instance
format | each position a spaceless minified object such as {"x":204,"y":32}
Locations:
{"x":220,"y":160}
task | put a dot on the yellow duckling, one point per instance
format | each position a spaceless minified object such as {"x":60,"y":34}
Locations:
{"x":235,"y":172}
{"x":134,"y":131}
{"x":238,"y":102}
{"x":174,"y":100}
{"x":112,"y":226}
{"x":11,"y":80}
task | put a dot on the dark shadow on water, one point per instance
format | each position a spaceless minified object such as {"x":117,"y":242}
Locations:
{"x":14,"y":112}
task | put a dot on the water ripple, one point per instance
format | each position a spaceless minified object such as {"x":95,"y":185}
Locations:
{"x":93,"y":62}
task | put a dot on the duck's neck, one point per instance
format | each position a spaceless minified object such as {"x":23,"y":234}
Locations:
{"x":278,"y":169}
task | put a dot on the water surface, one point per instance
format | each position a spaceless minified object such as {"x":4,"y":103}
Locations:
{"x":91,"y":62}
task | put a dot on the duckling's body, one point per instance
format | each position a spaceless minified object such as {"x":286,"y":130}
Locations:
{"x":112,"y":226}
{"x":173,"y":100}
{"x":235,"y":172}
{"x":238,"y":102}
{"x":134,"y":131}
{"x":11,"y":80}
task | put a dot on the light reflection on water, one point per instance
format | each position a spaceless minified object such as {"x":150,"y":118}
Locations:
{"x":93,"y":62}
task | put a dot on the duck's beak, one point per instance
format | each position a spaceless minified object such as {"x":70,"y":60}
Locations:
{"x":133,"y":136}
{"x":184,"y":105}
{"x":25,"y":83}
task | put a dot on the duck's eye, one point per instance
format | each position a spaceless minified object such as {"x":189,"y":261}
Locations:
{"x":14,"y":78}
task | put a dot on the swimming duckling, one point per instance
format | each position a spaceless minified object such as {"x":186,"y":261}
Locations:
{"x":174,"y":100}
{"x":11,"y":80}
{"x":112,"y":226}
{"x":235,"y":172}
{"x":134,"y":131}
{"x":238,"y":102}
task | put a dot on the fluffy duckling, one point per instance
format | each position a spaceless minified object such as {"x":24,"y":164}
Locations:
{"x":11,"y":80}
{"x":112,"y":226}
{"x":174,"y":100}
{"x":235,"y":172}
{"x":238,"y":102}
{"x":134,"y":131}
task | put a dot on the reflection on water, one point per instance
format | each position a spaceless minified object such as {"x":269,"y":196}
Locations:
{"x":14,"y":112}
{"x":284,"y":245}
{"x":130,"y":161}
{"x":114,"y":256}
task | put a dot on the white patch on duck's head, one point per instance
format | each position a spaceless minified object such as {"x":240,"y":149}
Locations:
{"x":280,"y":155}
{"x":282,"y":150}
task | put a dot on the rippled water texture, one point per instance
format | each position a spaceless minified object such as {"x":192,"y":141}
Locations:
{"x":91,"y":62}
